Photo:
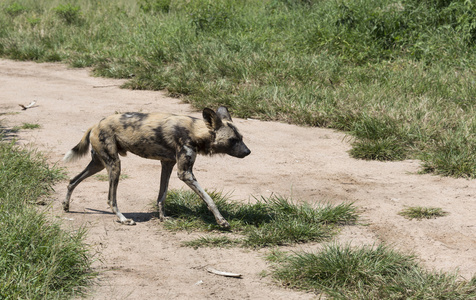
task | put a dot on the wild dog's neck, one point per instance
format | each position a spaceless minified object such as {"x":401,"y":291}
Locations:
{"x":203,"y":138}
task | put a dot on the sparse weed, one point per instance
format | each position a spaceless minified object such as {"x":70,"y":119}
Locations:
{"x":25,"y":126}
{"x":30,"y":126}
{"x":420,"y":213}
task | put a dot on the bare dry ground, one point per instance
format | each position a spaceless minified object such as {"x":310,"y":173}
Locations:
{"x":310,"y":164}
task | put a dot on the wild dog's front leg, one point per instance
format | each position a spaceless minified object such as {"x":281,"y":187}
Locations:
{"x":167,"y":167}
{"x":185,"y":160}
{"x":114,"y":170}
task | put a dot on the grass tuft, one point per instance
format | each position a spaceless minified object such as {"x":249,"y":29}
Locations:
{"x":70,"y":14}
{"x":268,"y":222}
{"x":14,"y":9}
{"x":30,"y":126}
{"x":420,"y":213}
{"x":377,"y":272}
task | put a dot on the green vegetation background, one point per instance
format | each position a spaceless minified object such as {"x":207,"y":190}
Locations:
{"x":38,"y":259}
{"x":397,"y":75}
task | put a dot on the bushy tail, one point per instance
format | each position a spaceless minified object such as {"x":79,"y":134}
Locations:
{"x":80,"y":149}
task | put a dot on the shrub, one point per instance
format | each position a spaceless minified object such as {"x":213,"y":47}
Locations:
{"x":68,"y":13}
{"x":155,"y":6}
{"x":15,"y":9}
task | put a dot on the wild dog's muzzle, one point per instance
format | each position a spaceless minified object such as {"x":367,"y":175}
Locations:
{"x":240,"y":150}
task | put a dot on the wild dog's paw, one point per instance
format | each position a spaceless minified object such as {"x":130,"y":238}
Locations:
{"x":223,"y":223}
{"x":66,"y":207}
{"x":128,"y":222}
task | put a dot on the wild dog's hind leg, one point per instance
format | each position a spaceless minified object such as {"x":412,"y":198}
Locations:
{"x":93,"y":167}
{"x":185,"y":160}
{"x":167,"y":167}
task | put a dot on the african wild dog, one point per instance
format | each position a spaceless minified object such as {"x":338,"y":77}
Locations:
{"x":172,"y":139}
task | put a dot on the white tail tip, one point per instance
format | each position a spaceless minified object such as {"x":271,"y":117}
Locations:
{"x":70,"y":156}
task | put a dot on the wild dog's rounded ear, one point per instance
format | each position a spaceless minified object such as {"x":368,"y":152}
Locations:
{"x":223,"y":114}
{"x":211,"y":119}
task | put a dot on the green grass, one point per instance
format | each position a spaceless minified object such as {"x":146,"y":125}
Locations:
{"x":396,"y":75}
{"x":268,"y":222}
{"x":30,"y":126}
{"x":420,"y":213}
{"x":38,"y":259}
{"x":345,"y":272}
{"x":25,"y":126}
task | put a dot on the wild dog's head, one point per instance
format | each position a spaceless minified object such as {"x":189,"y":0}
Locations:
{"x":228,"y":139}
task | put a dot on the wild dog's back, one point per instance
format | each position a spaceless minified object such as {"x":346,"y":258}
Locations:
{"x":151,"y":135}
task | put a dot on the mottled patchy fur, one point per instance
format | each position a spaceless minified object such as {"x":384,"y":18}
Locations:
{"x":172,"y":139}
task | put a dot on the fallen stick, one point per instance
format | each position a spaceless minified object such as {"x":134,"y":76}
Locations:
{"x":28,"y":106}
{"x":221,"y":273}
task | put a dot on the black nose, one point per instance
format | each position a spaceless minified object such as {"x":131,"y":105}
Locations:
{"x":245,"y":152}
{"x":240,"y":150}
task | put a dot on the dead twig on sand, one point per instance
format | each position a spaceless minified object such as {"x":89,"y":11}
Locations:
{"x":221,"y":273}
{"x":27,"y":106}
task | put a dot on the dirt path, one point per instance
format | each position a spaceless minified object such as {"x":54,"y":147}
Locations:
{"x":312,"y":164}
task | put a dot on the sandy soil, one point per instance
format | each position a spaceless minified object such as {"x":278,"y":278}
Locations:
{"x":310,"y":164}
